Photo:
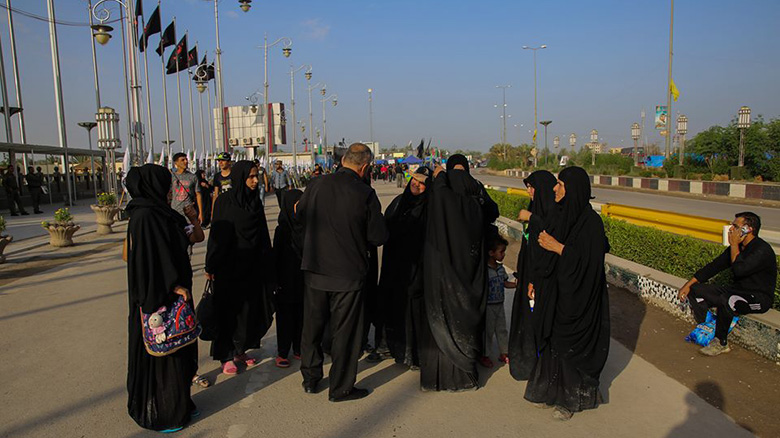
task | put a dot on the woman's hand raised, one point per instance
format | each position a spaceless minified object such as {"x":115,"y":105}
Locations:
{"x":549,"y":243}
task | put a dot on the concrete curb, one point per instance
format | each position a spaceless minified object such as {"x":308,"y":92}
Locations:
{"x":757,"y":333}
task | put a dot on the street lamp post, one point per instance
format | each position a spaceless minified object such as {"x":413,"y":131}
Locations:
{"x":543,"y":46}
{"x":102,"y":35}
{"x":294,"y":70}
{"x":594,"y":139}
{"x":89,"y":126}
{"x":635,"y":133}
{"x":545,"y":123}
{"x":556,"y":143}
{"x":682,"y":129}
{"x":333,"y":98}
{"x":503,"y":109}
{"x":371,"y":115}
{"x":743,"y":123}
{"x":311,"y":117}
{"x":286,"y":50}
{"x":573,"y":142}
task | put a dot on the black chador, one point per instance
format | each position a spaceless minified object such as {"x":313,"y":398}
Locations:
{"x":239,"y":256}
{"x":158,"y":388}
{"x":459,"y":213}
{"x":401,"y":285}
{"x":567,"y":372}
{"x":289,"y":296}
{"x":528,"y":332}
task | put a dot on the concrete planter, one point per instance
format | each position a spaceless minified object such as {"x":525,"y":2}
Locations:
{"x":105,"y":217}
{"x":4,"y":241}
{"x":62,"y":235}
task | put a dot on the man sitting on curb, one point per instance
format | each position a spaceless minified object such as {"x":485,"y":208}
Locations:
{"x":754,"y":266}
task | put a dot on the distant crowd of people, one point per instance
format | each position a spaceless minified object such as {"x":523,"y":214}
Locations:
{"x":437,"y":305}
{"x":37,"y":184}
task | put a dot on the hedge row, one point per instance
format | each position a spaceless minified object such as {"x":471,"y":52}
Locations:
{"x":667,"y":252}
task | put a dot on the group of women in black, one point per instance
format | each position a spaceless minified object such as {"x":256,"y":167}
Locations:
{"x":433,"y":285}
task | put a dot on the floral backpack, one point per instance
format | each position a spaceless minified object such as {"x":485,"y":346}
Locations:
{"x":170,"y":328}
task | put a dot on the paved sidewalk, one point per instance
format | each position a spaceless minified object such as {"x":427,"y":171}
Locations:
{"x":63,"y":336}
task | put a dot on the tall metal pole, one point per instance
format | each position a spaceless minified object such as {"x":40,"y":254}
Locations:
{"x":55,"y":62}
{"x":9,"y":135}
{"x":202,"y":129}
{"x":219,"y":91}
{"x":178,"y":89}
{"x":292,"y":103}
{"x":311,"y":121}
{"x":17,"y":81}
{"x":324,"y":134}
{"x":165,"y":104}
{"x":535,"y":113}
{"x":668,"y":139}
{"x":148,"y":93}
{"x":89,"y":126}
{"x":130,"y":148}
{"x":135,"y":87}
{"x":371,"y":115}
{"x":94,"y":58}
{"x":211,"y":123}
{"x":267,"y":122}
{"x":192,"y":112}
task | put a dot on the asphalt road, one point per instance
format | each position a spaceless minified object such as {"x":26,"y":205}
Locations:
{"x":699,"y":207}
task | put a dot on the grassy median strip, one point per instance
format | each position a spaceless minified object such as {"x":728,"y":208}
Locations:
{"x":671,"y":253}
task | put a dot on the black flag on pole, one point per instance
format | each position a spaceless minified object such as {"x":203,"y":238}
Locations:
{"x":178,"y":60}
{"x":139,"y":12}
{"x":211,"y":72}
{"x":420,"y":150}
{"x":192,"y":57}
{"x":168,"y":38}
{"x":151,"y":28}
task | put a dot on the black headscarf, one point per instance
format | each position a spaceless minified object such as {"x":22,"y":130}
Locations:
{"x":244,"y":197}
{"x":544,"y":213}
{"x":149,"y":187}
{"x":456,"y":159}
{"x":287,"y":218}
{"x":575,"y":202}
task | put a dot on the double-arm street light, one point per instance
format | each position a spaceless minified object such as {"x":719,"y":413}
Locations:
{"x":308,"y":75}
{"x":503,"y":109}
{"x":334,"y":98}
{"x":286,"y":51}
{"x":635,"y":133}
{"x":743,"y":123}
{"x":682,"y":129}
{"x":556,"y":143}
{"x":545,"y":123}
{"x":534,"y":49}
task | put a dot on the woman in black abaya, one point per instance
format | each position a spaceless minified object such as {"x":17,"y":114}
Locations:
{"x":288,"y":247}
{"x":239,"y":261}
{"x":535,"y":266}
{"x":566,"y":376}
{"x":451,"y":340}
{"x":401,"y":285}
{"x":158,"y":268}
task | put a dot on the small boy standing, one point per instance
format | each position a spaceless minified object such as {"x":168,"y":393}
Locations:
{"x":495,"y":317}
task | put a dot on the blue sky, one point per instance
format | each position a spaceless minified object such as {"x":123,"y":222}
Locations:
{"x":434,"y":65}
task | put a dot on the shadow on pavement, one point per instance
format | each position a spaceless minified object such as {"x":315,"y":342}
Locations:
{"x":59,"y":306}
{"x":627,"y":311}
{"x":698,"y":418}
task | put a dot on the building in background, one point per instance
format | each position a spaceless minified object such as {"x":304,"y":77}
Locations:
{"x":246,"y":128}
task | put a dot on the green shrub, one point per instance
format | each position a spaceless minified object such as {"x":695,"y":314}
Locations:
{"x":667,"y":252}
{"x":509,"y":206}
{"x":106,"y":199}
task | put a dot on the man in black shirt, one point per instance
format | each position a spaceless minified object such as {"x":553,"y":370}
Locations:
{"x":34,"y":184}
{"x":754,"y":267}
{"x":341,"y":216}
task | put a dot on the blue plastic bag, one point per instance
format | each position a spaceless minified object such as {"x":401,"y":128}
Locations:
{"x":703,"y":333}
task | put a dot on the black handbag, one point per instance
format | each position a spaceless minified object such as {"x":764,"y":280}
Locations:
{"x":207,"y":314}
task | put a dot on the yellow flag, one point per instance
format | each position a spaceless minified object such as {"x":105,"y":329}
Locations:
{"x":675,"y":92}
{"x":534,"y":136}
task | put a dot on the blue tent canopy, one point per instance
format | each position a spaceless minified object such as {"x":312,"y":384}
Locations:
{"x":411,"y":159}
{"x":654,"y":161}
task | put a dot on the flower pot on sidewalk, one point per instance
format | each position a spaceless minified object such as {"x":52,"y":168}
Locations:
{"x":62,"y":235}
{"x":62,"y":229}
{"x":105,"y":217}
{"x":4,"y":241}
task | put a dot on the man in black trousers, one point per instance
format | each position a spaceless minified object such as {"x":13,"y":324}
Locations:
{"x":34,"y":184}
{"x":341,"y":216}
{"x":753,"y":266}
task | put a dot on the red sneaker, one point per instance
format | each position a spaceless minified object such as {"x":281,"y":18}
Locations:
{"x":247,"y":359}
{"x":282,"y":362}
{"x":503,"y":358}
{"x":486,"y":362}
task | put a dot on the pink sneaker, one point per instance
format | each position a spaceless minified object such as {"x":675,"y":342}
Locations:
{"x":229,"y":368}
{"x":247,"y":359}
{"x":503,"y":357}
